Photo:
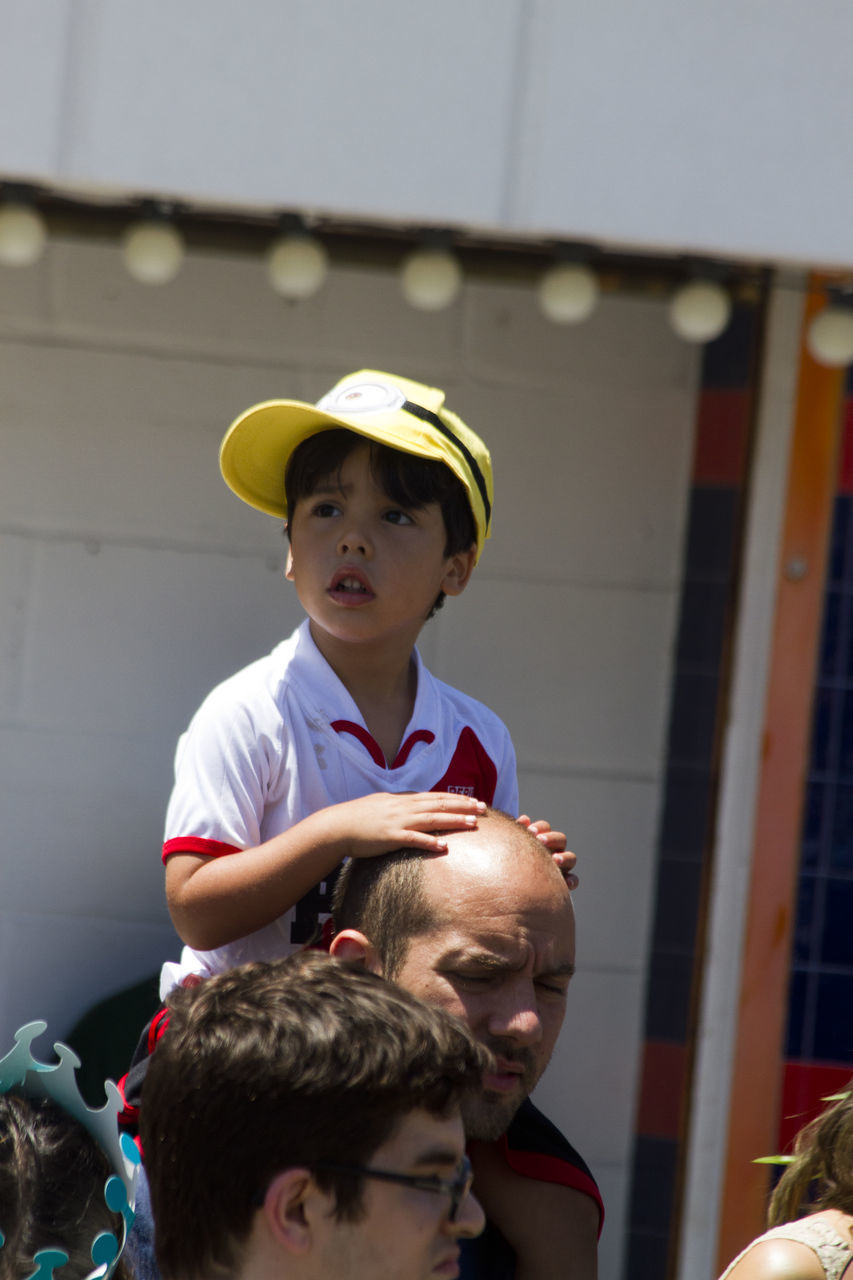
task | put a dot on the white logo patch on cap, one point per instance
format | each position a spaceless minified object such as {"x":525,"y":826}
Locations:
{"x":362,"y":397}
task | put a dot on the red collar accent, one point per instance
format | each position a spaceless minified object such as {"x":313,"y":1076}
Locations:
{"x":369,"y":742}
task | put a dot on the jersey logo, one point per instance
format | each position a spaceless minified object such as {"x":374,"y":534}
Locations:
{"x":472,"y":771}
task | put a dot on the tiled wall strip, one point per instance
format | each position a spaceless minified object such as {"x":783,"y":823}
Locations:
{"x":756,"y":1081}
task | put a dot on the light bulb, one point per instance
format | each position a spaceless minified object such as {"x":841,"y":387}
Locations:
{"x":430,"y":279}
{"x":568,"y":293}
{"x":297,"y":265}
{"x":700,"y":311}
{"x":830,"y":336}
{"x":153,"y":251}
{"x":23,"y":235}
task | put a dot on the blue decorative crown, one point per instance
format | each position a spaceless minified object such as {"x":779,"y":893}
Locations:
{"x":23,"y":1074}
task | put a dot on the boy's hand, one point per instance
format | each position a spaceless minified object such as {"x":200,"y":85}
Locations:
{"x":383,"y":822}
{"x":555,"y":842}
{"x":217,"y":900}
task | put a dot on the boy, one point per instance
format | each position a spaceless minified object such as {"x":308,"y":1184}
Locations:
{"x":273,"y":1151}
{"x":340,"y":743}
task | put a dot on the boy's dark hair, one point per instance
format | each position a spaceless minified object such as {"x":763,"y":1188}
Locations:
{"x":278,"y":1065}
{"x":52,"y":1179}
{"x":407,"y":479}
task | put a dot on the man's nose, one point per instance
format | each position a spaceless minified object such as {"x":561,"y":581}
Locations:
{"x":469,"y":1220}
{"x":517,"y":1017}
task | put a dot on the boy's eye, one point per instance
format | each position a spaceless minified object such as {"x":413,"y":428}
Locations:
{"x":325,"y":509}
{"x":398,"y":517}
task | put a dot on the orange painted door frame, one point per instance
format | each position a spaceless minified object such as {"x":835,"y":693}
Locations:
{"x":763,"y":1000}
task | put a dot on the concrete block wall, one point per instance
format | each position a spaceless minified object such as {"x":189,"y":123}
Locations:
{"x":131,"y":580}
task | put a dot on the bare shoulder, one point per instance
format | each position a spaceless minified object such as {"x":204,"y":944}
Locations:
{"x":778,"y":1259}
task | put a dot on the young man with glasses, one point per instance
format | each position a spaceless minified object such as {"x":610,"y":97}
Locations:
{"x":302,"y":1118}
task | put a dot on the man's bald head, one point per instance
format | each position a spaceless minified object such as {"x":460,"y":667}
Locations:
{"x":385,"y":897}
{"x":484,"y":931}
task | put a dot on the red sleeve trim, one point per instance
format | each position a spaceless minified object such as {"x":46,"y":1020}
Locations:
{"x":552,"y":1169}
{"x":129,"y":1114}
{"x":196,"y":844}
{"x":156,"y":1027}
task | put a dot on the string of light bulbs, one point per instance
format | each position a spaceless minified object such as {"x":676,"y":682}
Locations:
{"x":297,"y":262}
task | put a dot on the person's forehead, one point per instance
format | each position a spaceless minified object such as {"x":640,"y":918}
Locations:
{"x":342,"y":477}
{"x":493,"y":868}
{"x":500,"y":944}
{"x":421,"y":1137}
{"x":517,"y":919}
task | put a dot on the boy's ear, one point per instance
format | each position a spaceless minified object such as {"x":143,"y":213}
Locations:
{"x":459,"y":571}
{"x":351,"y":945}
{"x":289,"y":1210}
{"x":288,"y":569}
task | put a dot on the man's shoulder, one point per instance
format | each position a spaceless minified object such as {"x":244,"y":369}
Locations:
{"x":530,"y":1125}
{"x":535,"y":1147}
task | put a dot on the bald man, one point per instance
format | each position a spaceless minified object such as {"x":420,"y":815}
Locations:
{"x":486,"y":931}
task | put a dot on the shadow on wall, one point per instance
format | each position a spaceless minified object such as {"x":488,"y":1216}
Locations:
{"x":105,"y":1037}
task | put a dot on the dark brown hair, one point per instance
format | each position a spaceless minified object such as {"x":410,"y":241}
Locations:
{"x":52,"y":1179}
{"x":821,"y":1175}
{"x":384,"y":899}
{"x":407,"y":479}
{"x":281,"y":1065}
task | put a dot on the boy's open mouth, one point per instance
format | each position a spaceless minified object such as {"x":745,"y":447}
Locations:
{"x":350,"y":584}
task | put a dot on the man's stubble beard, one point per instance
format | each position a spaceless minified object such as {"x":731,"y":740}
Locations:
{"x":487,"y":1115}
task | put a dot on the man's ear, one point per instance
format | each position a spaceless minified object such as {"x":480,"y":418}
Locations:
{"x":351,"y":945}
{"x":459,"y":570}
{"x":287,"y":1210}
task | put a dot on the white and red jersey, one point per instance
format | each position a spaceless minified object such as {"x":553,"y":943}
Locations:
{"x":283,"y":738}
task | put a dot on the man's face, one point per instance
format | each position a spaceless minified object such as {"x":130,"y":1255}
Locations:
{"x":499,"y":956}
{"x":405,"y":1232}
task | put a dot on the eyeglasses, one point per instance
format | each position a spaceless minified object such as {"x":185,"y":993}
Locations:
{"x":456,"y":1187}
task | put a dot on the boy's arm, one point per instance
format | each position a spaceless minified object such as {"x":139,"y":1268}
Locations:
{"x":214,"y":900}
{"x":553,"y":1229}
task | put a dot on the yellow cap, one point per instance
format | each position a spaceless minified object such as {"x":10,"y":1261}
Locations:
{"x":393,"y":411}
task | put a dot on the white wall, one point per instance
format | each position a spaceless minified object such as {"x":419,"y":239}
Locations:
{"x":131,"y":580}
{"x":703,"y":125}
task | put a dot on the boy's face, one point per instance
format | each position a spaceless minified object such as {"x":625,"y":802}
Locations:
{"x":366,"y":569}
